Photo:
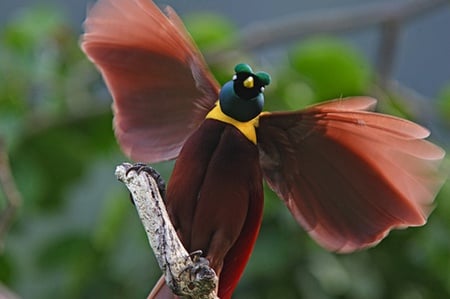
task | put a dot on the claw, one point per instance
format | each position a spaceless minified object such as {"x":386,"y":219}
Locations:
{"x":199,"y":262}
{"x":136,"y":167}
{"x":200,"y":274}
{"x":195,"y":255}
{"x":139,"y":167}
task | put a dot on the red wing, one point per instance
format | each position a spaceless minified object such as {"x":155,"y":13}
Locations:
{"x":161,"y":86}
{"x":349,"y":176}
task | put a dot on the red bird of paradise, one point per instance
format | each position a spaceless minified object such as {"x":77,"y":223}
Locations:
{"x":348,"y":175}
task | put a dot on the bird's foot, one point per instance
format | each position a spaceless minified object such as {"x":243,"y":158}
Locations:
{"x":200,"y":273}
{"x":197,"y":258}
{"x":197,"y":261}
{"x":139,"y":167}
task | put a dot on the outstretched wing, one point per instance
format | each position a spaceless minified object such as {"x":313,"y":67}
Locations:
{"x":349,"y":176}
{"x":160,"y":83}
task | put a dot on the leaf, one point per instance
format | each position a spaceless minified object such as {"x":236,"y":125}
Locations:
{"x":6,"y":269}
{"x":111,"y":220}
{"x":210,"y":30}
{"x":332,"y":67}
{"x":444,"y":103}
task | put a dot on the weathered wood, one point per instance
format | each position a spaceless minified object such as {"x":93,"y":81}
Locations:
{"x":186,"y":274}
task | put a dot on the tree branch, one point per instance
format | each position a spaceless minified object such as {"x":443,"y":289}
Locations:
{"x":12,"y":194}
{"x":186,"y":274}
{"x":5,"y":293}
{"x":295,"y":26}
{"x":390,"y":31}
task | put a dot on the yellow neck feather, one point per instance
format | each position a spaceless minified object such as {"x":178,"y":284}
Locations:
{"x":246,"y":128}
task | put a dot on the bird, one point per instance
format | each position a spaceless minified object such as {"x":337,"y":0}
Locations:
{"x":348,"y":174}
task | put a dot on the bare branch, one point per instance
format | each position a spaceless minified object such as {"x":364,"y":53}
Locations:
{"x":12,"y":194}
{"x":186,"y":274}
{"x":386,"y":51}
{"x":288,"y":28}
{"x":5,"y":293}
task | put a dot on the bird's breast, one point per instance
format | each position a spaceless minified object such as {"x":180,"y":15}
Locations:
{"x":246,"y":128}
{"x":215,"y":199}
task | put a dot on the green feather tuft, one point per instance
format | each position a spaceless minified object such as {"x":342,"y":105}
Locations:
{"x":243,"y":68}
{"x":264,"y":77}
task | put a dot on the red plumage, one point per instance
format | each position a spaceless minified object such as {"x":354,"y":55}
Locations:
{"x":214,"y":199}
{"x":161,"y":86}
{"x":348,"y":175}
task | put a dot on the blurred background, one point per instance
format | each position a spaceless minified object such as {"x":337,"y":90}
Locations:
{"x":67,"y":227}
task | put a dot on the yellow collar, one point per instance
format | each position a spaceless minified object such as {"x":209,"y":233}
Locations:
{"x":246,"y":128}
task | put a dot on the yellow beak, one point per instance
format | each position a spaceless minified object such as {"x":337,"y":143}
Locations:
{"x":248,"y":82}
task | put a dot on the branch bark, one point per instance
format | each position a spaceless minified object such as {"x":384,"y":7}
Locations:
{"x":186,"y":274}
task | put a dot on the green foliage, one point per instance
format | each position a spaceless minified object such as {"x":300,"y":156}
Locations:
{"x":332,"y":68}
{"x":210,"y":30}
{"x":77,"y":234}
{"x":444,"y":103}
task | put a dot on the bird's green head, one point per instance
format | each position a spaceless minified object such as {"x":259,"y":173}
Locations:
{"x":242,"y":98}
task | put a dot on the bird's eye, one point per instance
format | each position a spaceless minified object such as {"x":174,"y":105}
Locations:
{"x":262,"y":89}
{"x":234,"y":77}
